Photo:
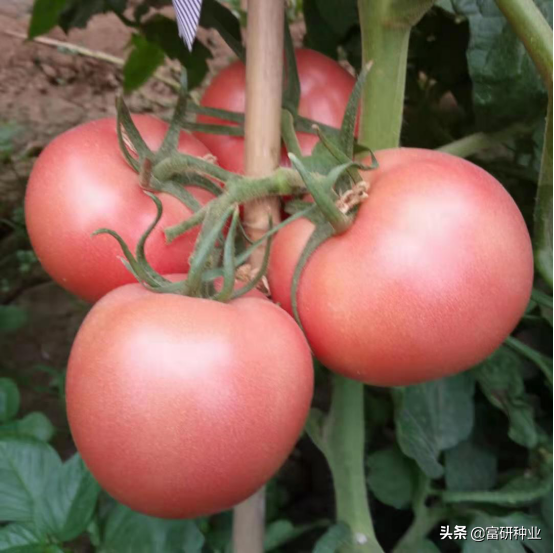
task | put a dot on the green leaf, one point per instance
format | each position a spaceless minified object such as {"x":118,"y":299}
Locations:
{"x":67,"y":505}
{"x":500,"y":378}
{"x":164,"y":33}
{"x":445,"y":5}
{"x":523,"y":520}
{"x":546,"y":509}
{"x":129,"y":532}
{"x":45,"y":16}
{"x":12,"y":318}
{"x":281,"y":532}
{"x":543,"y":362}
{"x":9,"y":399}
{"x":432,"y":417}
{"x":392,"y":477}
{"x":26,"y":465}
{"x":334,"y":538}
{"x":329,"y":24}
{"x":506,"y":84}
{"x":470,"y":467}
{"x":141,"y":63}
{"x":22,"y":538}
{"x":506,"y":542}
{"x":34,"y":425}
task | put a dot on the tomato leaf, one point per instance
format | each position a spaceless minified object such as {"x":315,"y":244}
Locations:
{"x":281,"y":532}
{"x":129,"y":532}
{"x":24,"y":538}
{"x":141,"y":63}
{"x":392,"y":477}
{"x":12,"y":318}
{"x":26,"y":466}
{"x":470,"y":466}
{"x":520,"y":491}
{"x":432,"y":417}
{"x":68,"y":502}
{"x":334,"y":538}
{"x":330,"y":24}
{"x":164,"y":33}
{"x":506,"y":85}
{"x":509,"y":544}
{"x":501,"y":381}
{"x":34,"y":425}
{"x":9,"y":399}
{"x":45,"y":16}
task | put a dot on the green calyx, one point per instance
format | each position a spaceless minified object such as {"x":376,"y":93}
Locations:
{"x":330,"y":175}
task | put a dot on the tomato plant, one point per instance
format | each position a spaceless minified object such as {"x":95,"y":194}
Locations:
{"x":154,"y":379}
{"x":325,"y":87}
{"x":434,"y":274}
{"x":410,"y":270}
{"x":82,"y":179}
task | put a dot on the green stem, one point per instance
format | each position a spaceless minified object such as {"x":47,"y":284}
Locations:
{"x":385,"y":30}
{"x":238,"y":190}
{"x":386,"y":26}
{"x":543,"y":205}
{"x":344,"y":449}
{"x":425,"y":518}
{"x":476,"y":142}
{"x":534,"y":31}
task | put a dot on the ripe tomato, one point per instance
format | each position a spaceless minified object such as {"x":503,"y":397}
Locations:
{"x":182,"y":406}
{"x":325,"y":89}
{"x":81,"y":183}
{"x":434,"y":274}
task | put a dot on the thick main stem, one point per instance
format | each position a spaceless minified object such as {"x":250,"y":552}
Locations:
{"x":344,"y":440}
{"x":385,"y":29}
{"x":384,"y":88}
{"x":264,"y":74}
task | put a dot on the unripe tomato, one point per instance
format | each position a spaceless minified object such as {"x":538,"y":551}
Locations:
{"x":434,"y":274}
{"x":81,"y":183}
{"x":182,"y":406}
{"x":325,"y":90}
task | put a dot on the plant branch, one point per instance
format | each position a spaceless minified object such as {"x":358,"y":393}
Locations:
{"x":343,"y":439}
{"x":476,"y":142}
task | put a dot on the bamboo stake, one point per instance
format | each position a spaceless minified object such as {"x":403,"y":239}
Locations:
{"x":264,"y":73}
{"x":264,"y":76}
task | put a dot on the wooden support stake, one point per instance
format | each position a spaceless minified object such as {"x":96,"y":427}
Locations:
{"x":264,"y":83}
{"x":264,"y":74}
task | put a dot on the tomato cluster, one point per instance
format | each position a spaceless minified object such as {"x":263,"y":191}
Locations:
{"x":182,"y":406}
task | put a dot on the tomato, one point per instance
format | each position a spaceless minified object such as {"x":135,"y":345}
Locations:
{"x":325,"y":90}
{"x":182,"y":406}
{"x":434,"y":274}
{"x":81,"y":183}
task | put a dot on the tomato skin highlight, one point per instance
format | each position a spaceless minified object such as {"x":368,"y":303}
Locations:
{"x":81,"y":183}
{"x":182,"y":407}
{"x":435,"y":273}
{"x":325,"y":90}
